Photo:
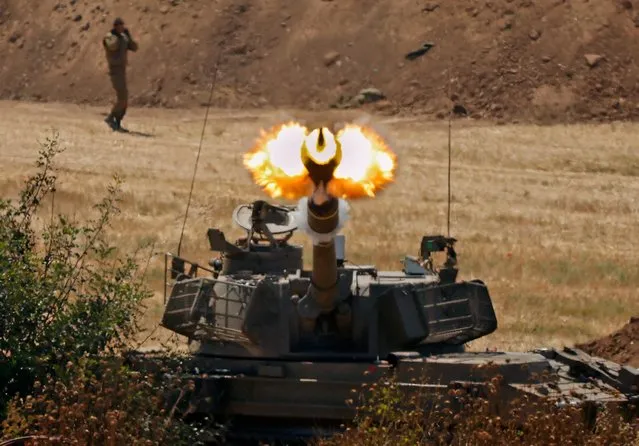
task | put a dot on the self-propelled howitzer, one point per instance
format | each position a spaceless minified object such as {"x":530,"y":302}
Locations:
{"x":279,"y":348}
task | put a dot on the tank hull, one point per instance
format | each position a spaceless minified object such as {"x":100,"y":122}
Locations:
{"x":283,"y":400}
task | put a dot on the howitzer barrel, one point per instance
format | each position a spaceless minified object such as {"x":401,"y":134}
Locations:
{"x":321,"y":216}
{"x":324,"y":219}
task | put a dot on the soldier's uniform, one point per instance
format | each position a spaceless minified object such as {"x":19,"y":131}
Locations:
{"x":117,"y":45}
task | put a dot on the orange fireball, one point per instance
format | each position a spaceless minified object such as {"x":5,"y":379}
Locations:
{"x":366,"y":163}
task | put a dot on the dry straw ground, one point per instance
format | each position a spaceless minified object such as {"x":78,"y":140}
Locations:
{"x":546,"y":216}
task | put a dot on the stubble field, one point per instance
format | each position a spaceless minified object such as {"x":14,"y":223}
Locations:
{"x":546,"y":216}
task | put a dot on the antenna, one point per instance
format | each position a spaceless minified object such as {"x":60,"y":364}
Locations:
{"x":199,"y":150}
{"x":450,"y":123}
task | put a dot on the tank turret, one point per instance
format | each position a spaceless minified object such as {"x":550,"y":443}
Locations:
{"x":260,"y":301}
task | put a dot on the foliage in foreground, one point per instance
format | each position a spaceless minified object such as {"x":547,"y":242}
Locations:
{"x":462,"y":416}
{"x":64,"y":291}
{"x":99,"y":402}
{"x":67,"y":298}
{"x":68,"y":308}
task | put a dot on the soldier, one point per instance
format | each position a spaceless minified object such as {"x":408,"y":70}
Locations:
{"x":117,"y":43}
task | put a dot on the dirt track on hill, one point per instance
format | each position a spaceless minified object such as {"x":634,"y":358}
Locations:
{"x":508,"y":59}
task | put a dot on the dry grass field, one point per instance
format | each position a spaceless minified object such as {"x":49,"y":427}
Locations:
{"x":546,"y":216}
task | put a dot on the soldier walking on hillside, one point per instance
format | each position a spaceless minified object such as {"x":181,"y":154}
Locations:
{"x":117,"y":43}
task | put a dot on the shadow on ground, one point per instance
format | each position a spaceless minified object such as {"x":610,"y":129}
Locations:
{"x":136,"y":133}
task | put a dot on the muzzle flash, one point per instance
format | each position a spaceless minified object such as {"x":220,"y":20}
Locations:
{"x":321,"y":154}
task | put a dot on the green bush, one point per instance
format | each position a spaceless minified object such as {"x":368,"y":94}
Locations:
{"x":68,"y":308}
{"x":64,"y":291}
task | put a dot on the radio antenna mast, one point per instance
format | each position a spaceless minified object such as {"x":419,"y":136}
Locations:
{"x":199,"y":150}
{"x":450,"y":121}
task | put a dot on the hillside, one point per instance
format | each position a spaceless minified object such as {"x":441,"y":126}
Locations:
{"x":622,"y":346}
{"x":509,"y":59}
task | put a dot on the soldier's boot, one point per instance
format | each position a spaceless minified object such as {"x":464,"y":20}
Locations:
{"x":111,"y":121}
{"x":119,"y":119}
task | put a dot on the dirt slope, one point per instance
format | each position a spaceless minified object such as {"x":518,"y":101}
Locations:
{"x":621,"y":346}
{"x":510,"y":59}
